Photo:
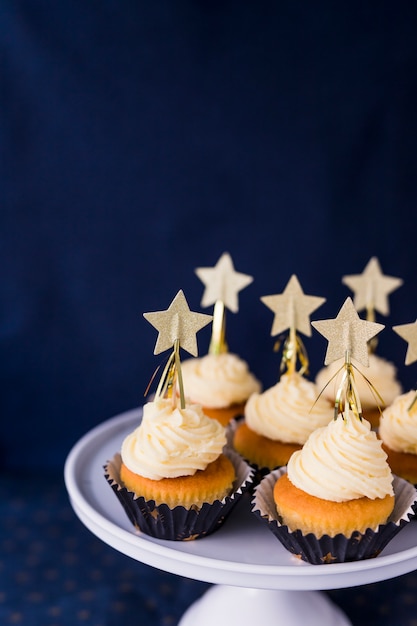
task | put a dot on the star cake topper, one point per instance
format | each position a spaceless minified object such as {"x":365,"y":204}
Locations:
{"x":409,"y":333}
{"x":292,"y":308}
{"x":222,"y":285}
{"x":347,"y":334}
{"x":371,"y":288}
{"x":177,"y":328}
{"x":348,"y":337}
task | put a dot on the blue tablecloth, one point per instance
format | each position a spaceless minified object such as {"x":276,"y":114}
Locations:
{"x":54,"y":572}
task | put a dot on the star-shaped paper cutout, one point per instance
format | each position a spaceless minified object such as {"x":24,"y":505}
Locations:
{"x":223,"y":283}
{"x":292,"y":308}
{"x":409,"y":333}
{"x":371,"y":288}
{"x":347,"y":333}
{"x":177,"y":322}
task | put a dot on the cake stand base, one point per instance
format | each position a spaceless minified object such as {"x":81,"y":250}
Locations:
{"x":225,"y":605}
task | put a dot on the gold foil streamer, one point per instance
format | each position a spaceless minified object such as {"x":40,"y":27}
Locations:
{"x":293,"y":352}
{"x":177,"y":327}
{"x":172,"y":378}
{"x":347,"y":391}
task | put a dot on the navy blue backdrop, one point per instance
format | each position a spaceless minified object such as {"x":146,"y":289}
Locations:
{"x":138,"y":141}
{"x":141,"y":140}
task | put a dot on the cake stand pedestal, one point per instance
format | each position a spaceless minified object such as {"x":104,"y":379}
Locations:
{"x":254,"y":577}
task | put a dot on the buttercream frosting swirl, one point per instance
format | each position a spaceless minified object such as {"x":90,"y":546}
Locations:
{"x":289,"y":411}
{"x":381,"y":373}
{"x":218,"y":380}
{"x":342,"y":461}
{"x":398,"y":426}
{"x":172,"y":442}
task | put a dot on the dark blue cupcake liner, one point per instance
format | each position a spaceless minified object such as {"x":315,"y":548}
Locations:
{"x":338,"y":549}
{"x":178,"y":524}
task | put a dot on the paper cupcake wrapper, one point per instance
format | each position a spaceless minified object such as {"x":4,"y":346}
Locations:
{"x":338,"y":549}
{"x":178,"y":524}
{"x":258,"y":472}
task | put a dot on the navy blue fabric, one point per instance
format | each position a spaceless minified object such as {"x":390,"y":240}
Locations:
{"x":54,"y":572}
{"x":140,"y":140}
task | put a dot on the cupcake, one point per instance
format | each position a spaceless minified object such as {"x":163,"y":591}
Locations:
{"x":174,"y":475}
{"x":398,"y":432}
{"x":337,"y":500}
{"x":382,"y":375}
{"x":221,"y":383}
{"x":371,"y":290}
{"x":278,"y":421}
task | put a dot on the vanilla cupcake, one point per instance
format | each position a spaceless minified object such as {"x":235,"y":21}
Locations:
{"x":381,"y":373}
{"x":279,"y":420}
{"x":174,"y":476}
{"x":398,"y":432}
{"x":338,"y":499}
{"x":221,"y":383}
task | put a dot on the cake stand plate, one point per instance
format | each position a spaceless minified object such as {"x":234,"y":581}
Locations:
{"x":247,"y":564}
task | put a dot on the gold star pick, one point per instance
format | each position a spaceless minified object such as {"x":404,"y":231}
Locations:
{"x":371,"y":288}
{"x":177,"y":324}
{"x":222,"y":283}
{"x":292,"y":308}
{"x":409,"y":333}
{"x":347,"y":334}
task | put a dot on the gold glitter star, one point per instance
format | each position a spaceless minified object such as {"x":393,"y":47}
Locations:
{"x":409,"y":333}
{"x":222,"y":283}
{"x":328,"y":558}
{"x":292,"y":308}
{"x":177,"y":323}
{"x":371,"y":288}
{"x":347,"y":333}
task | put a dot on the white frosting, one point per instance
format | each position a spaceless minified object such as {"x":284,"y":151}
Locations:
{"x":342,"y":461}
{"x":381,"y":373}
{"x":289,"y":411}
{"x":218,"y":380}
{"x":172,"y":442}
{"x":398,"y":426}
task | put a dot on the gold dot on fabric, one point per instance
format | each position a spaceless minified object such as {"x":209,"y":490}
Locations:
{"x":384,"y":609}
{"x":69,"y":558}
{"x":51,"y":574}
{"x":86,"y":596}
{"x":69,"y":585}
{"x":40,"y":517}
{"x":150,"y":603}
{"x":411,"y":582}
{"x":83,"y":615}
{"x":119,"y":607}
{"x":407,"y":598}
{"x":22,"y":577}
{"x":35,"y":596}
{"x":54,"y":611}
{"x":8,"y":545}
{"x":16,"y":618}
{"x":96,"y":575}
{"x":32,"y":561}
{"x":360,"y":600}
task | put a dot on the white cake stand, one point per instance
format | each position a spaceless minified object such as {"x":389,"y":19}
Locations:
{"x":255,"y":578}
